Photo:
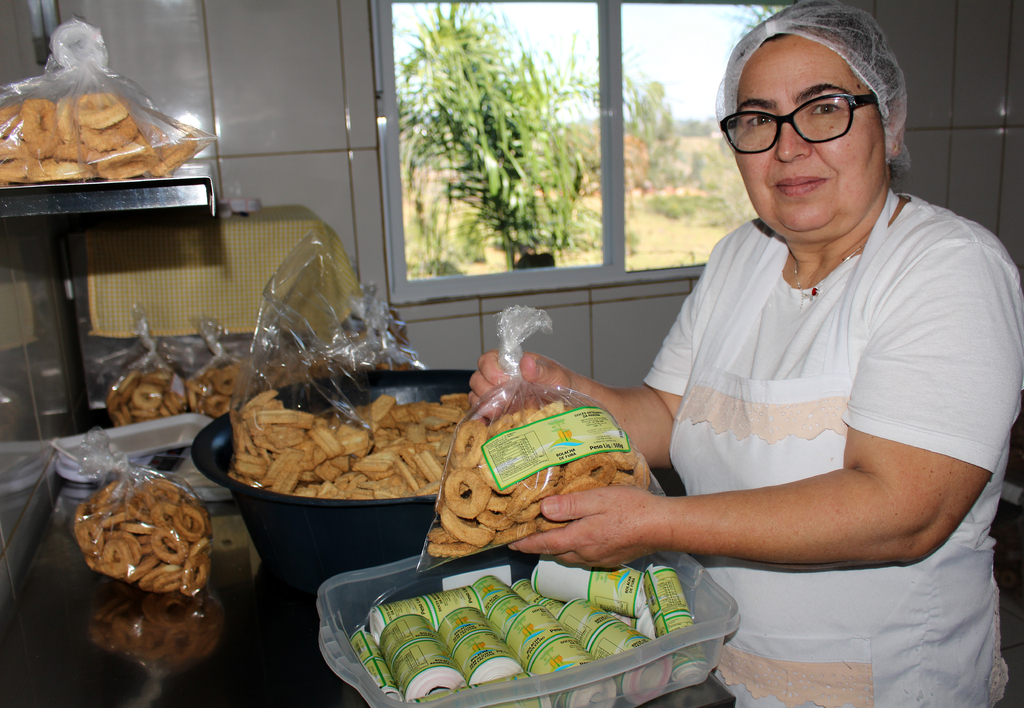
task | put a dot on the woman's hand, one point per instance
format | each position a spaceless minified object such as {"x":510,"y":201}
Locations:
{"x":532,"y":367}
{"x":610,"y":526}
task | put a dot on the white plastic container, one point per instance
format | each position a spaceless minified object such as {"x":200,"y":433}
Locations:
{"x":344,"y":601}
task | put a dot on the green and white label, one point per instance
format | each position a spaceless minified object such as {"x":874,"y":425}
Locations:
{"x":521,"y":452}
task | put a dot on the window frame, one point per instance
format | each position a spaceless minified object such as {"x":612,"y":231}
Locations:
{"x":613,"y":219}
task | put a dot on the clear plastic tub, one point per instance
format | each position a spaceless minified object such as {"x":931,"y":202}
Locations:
{"x":626,"y":679}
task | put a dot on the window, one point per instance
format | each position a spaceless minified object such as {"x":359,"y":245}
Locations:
{"x":532,"y":145}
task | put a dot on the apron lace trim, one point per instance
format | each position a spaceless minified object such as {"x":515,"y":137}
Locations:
{"x":770,"y":422}
{"x":829,"y":685}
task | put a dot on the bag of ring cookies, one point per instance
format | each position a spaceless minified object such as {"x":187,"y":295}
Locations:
{"x":150,"y":387}
{"x":80,"y":121}
{"x":519,"y":444}
{"x":209,"y":389}
{"x":141,"y":527}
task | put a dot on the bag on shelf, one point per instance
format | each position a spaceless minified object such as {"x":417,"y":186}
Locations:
{"x":81,"y":121}
{"x":141,"y":527}
{"x":150,"y":386}
{"x":520,"y":443}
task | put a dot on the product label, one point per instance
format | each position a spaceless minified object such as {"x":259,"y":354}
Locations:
{"x":479,"y":647}
{"x":442,"y":603}
{"x":616,"y":590}
{"x":664,"y":591}
{"x":519,"y":453}
{"x":614,"y":638}
{"x":504,"y":608}
{"x":665,"y":622}
{"x":412,"y":606}
{"x":524,"y":588}
{"x":370,"y":657}
{"x":418,"y":656}
{"x":583,"y":619}
{"x":402,"y":630}
{"x":556,"y":653}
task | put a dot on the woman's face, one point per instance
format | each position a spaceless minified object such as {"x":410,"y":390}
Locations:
{"x":811,"y":192}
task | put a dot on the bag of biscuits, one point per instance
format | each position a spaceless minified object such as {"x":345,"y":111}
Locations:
{"x":150,"y":386}
{"x":141,"y":527}
{"x":209,"y":389}
{"x":81,"y":121}
{"x":294,"y":422}
{"x":520,"y":443}
{"x":379,"y":339}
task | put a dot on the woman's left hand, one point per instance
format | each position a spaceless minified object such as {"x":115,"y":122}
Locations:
{"x":610,"y":526}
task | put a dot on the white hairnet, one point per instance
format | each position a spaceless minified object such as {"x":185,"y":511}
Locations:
{"x":854,"y":35}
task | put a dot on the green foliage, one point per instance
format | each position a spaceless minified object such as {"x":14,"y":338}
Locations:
{"x":488,"y":125}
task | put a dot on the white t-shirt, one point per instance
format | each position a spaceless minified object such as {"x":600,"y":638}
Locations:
{"x":936,"y":337}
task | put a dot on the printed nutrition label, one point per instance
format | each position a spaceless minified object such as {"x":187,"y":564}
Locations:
{"x":521,"y":452}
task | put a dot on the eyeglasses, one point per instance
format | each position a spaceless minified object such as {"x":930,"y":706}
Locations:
{"x":817,"y":121}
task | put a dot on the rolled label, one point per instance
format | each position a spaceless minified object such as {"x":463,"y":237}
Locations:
{"x":422,"y":666}
{"x":666,"y":600}
{"x":402,"y":630}
{"x":541,"y":643}
{"x":489,"y":589}
{"x":373,"y":661}
{"x":432,"y":607}
{"x":618,"y":590}
{"x":479,"y":652}
{"x":599,"y":632}
{"x":525,"y":590}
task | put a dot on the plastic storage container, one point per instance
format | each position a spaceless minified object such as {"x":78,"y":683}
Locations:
{"x":305,"y":541}
{"x":344,"y":601}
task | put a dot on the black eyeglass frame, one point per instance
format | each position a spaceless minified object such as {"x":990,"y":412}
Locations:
{"x":854,"y":102}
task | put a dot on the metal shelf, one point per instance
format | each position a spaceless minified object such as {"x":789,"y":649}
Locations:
{"x":122,"y":195}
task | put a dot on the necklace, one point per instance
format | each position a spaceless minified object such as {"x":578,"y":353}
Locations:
{"x":816,"y":290}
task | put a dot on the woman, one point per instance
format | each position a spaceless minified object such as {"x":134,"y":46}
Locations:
{"x":836,"y":394}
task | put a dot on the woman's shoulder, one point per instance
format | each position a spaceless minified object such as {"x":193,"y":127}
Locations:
{"x":923,"y":224}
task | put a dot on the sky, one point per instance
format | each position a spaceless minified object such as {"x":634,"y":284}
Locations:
{"x":685,"y":47}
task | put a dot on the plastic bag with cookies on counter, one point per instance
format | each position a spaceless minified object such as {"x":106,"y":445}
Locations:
{"x":141,"y":527}
{"x":294,"y":422}
{"x":150,"y":387}
{"x":520,"y":443}
{"x":81,"y":121}
{"x":210,"y":388}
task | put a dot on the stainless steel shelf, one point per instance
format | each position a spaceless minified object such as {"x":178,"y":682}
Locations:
{"x":92,"y":197}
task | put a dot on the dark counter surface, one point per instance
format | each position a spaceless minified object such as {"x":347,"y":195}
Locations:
{"x":80,"y":639}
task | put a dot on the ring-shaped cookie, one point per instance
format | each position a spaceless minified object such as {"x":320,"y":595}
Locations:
{"x":472,"y":533}
{"x":466,"y":493}
{"x":110,"y":139}
{"x":90,"y":536}
{"x":164,"y":490}
{"x":121,"y":553}
{"x":100,"y":110}
{"x":39,"y":126}
{"x":139,"y":506}
{"x":168,"y":547}
{"x":147,"y":397}
{"x":163,"y":514}
{"x":189,"y":522}
{"x":466,"y":450}
{"x":195,"y":573}
{"x":602,"y":466}
{"x":496,"y":520}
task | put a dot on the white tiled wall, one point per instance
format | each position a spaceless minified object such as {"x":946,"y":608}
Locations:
{"x":288,"y":88}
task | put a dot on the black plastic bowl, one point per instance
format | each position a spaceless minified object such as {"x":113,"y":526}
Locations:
{"x":305,"y":541}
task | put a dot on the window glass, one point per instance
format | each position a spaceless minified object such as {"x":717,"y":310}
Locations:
{"x":554,"y":144}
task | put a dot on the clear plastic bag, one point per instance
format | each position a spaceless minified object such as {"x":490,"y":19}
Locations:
{"x":378,"y":336}
{"x":150,"y":386}
{"x":294,"y":406}
{"x":80,"y":121}
{"x":141,"y":527}
{"x":210,"y":388}
{"x":520,"y":443}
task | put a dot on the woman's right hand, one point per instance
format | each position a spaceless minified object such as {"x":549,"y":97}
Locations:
{"x":532,"y":367}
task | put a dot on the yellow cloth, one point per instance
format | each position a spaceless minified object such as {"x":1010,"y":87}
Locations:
{"x":181,"y":269}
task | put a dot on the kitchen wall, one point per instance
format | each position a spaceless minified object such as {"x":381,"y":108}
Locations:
{"x":289,"y":90}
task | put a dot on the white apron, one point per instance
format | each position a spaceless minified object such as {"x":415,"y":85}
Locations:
{"x":896,"y":635}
